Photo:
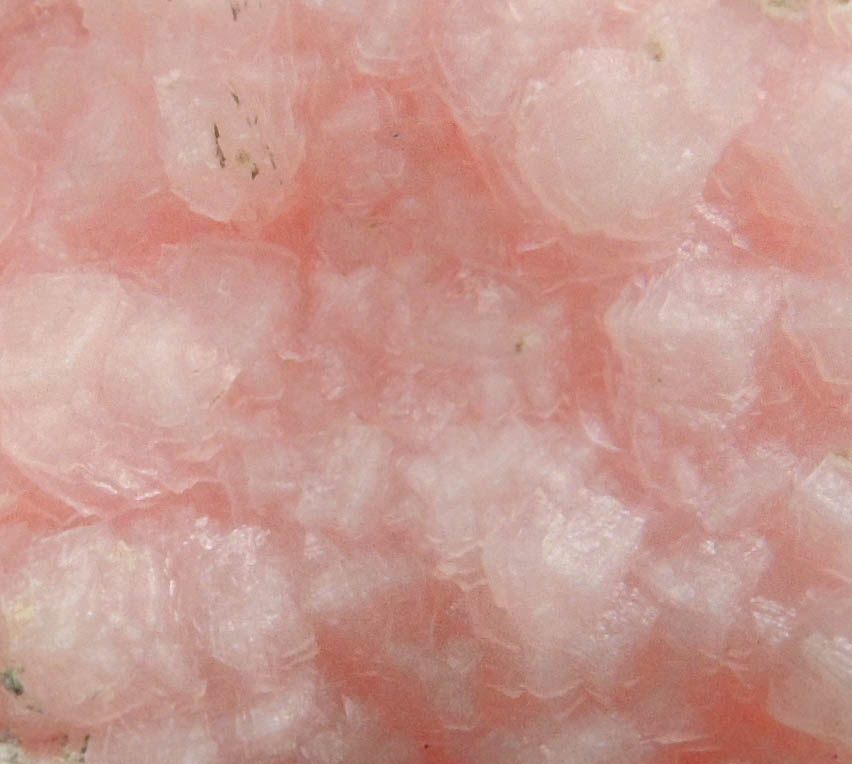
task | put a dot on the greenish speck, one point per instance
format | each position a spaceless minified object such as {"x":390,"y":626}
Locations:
{"x":12,"y":682}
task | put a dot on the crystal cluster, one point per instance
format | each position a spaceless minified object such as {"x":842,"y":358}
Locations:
{"x":425,"y":381}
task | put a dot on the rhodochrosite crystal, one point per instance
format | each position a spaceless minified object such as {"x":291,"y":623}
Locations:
{"x":425,"y":381}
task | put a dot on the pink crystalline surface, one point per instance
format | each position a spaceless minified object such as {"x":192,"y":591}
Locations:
{"x":425,"y":381}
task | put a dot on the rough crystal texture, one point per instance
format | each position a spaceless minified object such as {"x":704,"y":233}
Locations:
{"x":812,"y":693}
{"x":688,"y":340}
{"x":704,"y":585}
{"x":822,"y":507}
{"x":90,"y":358}
{"x":91,"y":631}
{"x":664,"y":128}
{"x":425,"y":381}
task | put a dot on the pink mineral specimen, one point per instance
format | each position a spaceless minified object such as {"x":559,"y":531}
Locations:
{"x":425,"y":382}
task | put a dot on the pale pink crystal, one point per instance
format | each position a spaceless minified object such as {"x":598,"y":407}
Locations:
{"x":425,"y":382}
